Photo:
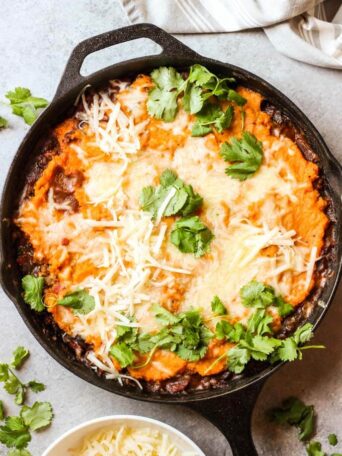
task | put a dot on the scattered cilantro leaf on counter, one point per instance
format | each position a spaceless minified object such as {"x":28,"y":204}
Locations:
{"x":38,"y":416}
{"x":2,"y":411}
{"x":294,"y":412}
{"x":33,"y":292}
{"x":245,"y":154}
{"x":332,"y":439}
{"x":3,"y":123}
{"x":315,"y":449}
{"x":80,"y":301}
{"x":180,"y":198}
{"x":35,"y":386}
{"x":23,"y":104}
{"x":12,"y":384}
{"x":218,"y":307}
{"x":16,"y":452}
{"x":190,"y":235}
{"x":15,"y":433}
{"x":20,"y":354}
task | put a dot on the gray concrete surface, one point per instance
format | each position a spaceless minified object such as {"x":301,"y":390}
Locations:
{"x":36,"y":38}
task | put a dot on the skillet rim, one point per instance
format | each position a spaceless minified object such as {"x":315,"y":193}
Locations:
{"x":148,"y":62}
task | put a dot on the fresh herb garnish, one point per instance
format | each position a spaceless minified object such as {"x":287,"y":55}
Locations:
{"x":15,"y":433}
{"x":162,"y":99}
{"x":12,"y":384}
{"x":3,"y":122}
{"x":332,"y":439}
{"x":183,"y":334}
{"x":80,"y":301}
{"x":259,"y":295}
{"x":218,"y":307}
{"x":2,"y":411}
{"x":182,"y":200}
{"x":23,"y":104}
{"x":200,"y":86}
{"x":245,"y":154}
{"x":190,"y":235}
{"x":20,"y":354}
{"x":16,"y":452}
{"x":315,"y":449}
{"x":294,"y":412}
{"x":33,"y":292}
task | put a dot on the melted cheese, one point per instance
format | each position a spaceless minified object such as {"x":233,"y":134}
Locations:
{"x":113,"y":249}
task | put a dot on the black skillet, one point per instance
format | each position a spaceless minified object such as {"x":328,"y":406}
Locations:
{"x":230,"y":407}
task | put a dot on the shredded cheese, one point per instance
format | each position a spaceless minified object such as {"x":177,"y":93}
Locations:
{"x":131,"y":441}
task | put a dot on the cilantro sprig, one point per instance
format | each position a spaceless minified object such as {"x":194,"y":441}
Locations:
{"x":198,"y":91}
{"x":23,"y":104}
{"x":184,"y":334}
{"x":80,"y":301}
{"x":182,"y":199}
{"x":12,"y":384}
{"x":245,"y":156}
{"x":15,"y":432}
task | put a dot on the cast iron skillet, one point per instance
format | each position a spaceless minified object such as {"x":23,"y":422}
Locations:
{"x":229,"y":408}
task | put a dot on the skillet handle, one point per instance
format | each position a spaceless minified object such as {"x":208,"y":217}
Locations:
{"x":232,"y":415}
{"x":170,"y":45}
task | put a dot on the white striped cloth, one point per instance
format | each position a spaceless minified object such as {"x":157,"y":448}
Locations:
{"x":306,"y":30}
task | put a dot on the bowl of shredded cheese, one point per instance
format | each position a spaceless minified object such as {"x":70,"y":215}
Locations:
{"x":123,"y":435}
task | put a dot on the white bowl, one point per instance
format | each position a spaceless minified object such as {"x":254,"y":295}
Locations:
{"x":75,"y":436}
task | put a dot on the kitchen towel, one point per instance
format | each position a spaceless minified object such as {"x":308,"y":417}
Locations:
{"x":306,"y":30}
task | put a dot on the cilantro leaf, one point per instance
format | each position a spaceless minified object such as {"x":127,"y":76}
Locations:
{"x":190,"y":235}
{"x":259,"y":323}
{"x":23,"y":104}
{"x":238,"y":357}
{"x":16,"y":452}
{"x":200,"y":130}
{"x":14,"y":433}
{"x":217,"y":306}
{"x":167,"y":78}
{"x":246,"y":155}
{"x":35,"y":386}
{"x":182,"y":200}
{"x":315,"y":449}
{"x":33,"y":291}
{"x":236,"y":97}
{"x":193,"y":100}
{"x":162,"y":99}
{"x":80,"y":301}
{"x":2,"y":411}
{"x":257,"y":294}
{"x":20,"y":354}
{"x":163,"y":316}
{"x":332,"y":439}
{"x":232,"y":333}
{"x":294,"y":412}
{"x":123,"y":354}
{"x":162,"y":105}
{"x":4,"y":372}
{"x":3,"y":122}
{"x":38,"y":416}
